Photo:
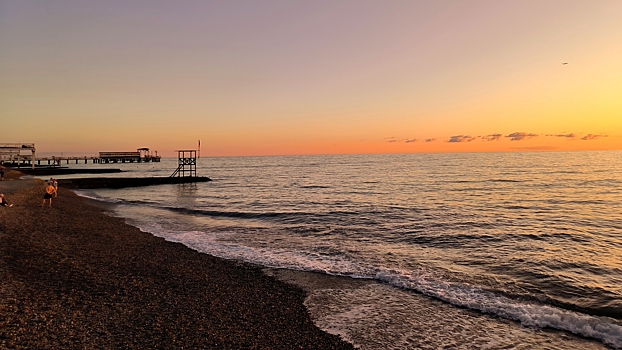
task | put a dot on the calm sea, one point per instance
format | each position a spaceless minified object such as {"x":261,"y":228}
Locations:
{"x":470,"y":251}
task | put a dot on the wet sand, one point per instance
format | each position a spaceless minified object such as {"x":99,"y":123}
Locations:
{"x":72,"y":277}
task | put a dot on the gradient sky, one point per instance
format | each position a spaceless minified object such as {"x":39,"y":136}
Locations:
{"x":311,"y":77}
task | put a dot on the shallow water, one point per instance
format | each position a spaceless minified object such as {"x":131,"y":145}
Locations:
{"x":505,"y":250}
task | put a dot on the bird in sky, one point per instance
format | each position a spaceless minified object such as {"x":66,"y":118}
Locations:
{"x":564,"y":62}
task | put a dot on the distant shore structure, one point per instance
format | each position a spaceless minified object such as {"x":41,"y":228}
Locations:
{"x":186,"y":172}
{"x":13,"y":153}
{"x":24,"y":154}
{"x":141,"y":155}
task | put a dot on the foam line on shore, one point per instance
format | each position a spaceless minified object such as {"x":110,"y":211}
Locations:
{"x":604,"y":329}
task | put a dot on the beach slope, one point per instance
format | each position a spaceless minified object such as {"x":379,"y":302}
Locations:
{"x":72,"y":277}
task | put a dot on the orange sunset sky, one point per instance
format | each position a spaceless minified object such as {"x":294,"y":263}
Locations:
{"x":311,"y":77}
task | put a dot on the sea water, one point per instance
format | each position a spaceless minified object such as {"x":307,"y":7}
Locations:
{"x":468,"y":251}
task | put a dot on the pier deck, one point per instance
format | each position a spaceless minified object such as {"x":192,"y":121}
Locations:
{"x":11,"y":155}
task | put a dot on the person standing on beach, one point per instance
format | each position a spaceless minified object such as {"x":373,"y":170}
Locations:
{"x":49,"y":191}
{"x":1,"y":173}
{"x":3,"y":202}
{"x":55,"y":184}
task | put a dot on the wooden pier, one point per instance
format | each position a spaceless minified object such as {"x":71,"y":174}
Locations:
{"x":186,"y":172}
{"x":10,"y":155}
{"x":141,"y":155}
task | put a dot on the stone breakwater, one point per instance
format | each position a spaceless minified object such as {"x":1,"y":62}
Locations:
{"x":72,"y":277}
{"x":121,"y":182}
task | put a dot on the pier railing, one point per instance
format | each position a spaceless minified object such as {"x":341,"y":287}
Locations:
{"x":13,"y":146}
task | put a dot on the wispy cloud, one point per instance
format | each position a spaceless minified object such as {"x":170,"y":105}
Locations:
{"x":515,"y":136}
{"x":395,"y":140}
{"x":519,"y":136}
{"x":591,"y":137}
{"x":461,"y":138}
{"x":568,"y":136}
{"x":492,"y":137}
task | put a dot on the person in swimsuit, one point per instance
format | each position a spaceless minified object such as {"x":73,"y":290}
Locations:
{"x":49,"y":192}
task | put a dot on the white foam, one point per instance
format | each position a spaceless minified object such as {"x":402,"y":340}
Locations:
{"x":605,"y":329}
{"x":217,"y":244}
{"x":92,"y":196}
{"x":225,"y":245}
{"x":378,"y":316}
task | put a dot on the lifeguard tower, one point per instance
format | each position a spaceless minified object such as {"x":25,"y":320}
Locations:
{"x":186,"y":164}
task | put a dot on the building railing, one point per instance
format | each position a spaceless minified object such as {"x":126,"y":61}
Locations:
{"x":17,"y":146}
{"x":118,"y":154}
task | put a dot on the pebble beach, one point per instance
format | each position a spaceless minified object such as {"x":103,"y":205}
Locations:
{"x":72,"y":277}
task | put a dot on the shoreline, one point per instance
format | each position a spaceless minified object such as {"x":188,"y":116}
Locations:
{"x":74,"y":277}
